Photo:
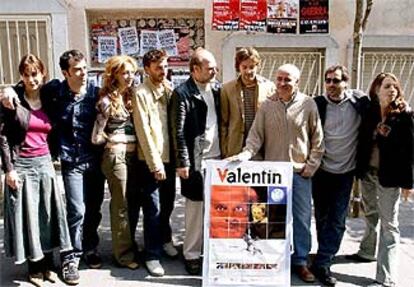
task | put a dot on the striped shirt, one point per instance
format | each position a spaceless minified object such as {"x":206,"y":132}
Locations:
{"x":249,"y":102}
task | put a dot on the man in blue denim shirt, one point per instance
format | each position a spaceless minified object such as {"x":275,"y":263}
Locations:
{"x":72,"y":103}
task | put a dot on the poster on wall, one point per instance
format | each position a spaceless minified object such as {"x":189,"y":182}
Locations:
{"x":128,"y":40}
{"x":178,"y":77}
{"x":249,"y":221}
{"x":253,"y":15}
{"x":226,"y":14}
{"x":148,"y":41}
{"x":106,"y":48}
{"x":167,"y":42}
{"x":164,"y":39}
{"x":314,"y":16}
{"x":188,"y":34}
{"x":282,"y":16}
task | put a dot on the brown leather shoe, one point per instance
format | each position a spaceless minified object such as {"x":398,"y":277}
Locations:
{"x":304,"y":274}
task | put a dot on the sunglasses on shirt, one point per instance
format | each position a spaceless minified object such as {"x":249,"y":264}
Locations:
{"x":333,"y":80}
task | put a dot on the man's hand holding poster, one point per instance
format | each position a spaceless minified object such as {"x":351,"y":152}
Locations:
{"x":248,"y":223}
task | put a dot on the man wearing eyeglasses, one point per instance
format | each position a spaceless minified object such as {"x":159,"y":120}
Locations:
{"x":288,"y":128}
{"x":341,"y":111}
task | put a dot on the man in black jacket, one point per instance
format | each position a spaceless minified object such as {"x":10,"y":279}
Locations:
{"x":195,"y":115}
{"x":342,"y":111}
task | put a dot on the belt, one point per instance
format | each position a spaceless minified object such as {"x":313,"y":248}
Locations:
{"x":128,"y":147}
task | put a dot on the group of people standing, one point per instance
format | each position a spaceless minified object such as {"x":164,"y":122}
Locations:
{"x":140,"y":138}
{"x":95,"y":133}
{"x":330,"y":140}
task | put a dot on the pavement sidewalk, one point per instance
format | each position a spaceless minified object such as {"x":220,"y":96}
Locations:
{"x":348,"y":273}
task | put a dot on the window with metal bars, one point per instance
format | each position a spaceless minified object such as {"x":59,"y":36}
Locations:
{"x":310,"y":63}
{"x":398,"y":62}
{"x":22,"y":35}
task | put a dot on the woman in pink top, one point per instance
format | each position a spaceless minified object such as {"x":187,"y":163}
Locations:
{"x":35,"y":218}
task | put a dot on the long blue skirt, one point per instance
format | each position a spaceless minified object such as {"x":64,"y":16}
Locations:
{"x":35,"y":216}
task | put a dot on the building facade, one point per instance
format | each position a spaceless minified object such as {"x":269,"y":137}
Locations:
{"x":388,"y":40}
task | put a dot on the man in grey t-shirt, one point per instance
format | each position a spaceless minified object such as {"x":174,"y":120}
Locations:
{"x":341,"y":110}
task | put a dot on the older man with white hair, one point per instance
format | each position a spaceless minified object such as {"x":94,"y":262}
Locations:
{"x":288,"y":127}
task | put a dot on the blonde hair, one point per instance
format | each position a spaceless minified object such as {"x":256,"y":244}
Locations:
{"x":118,"y":103}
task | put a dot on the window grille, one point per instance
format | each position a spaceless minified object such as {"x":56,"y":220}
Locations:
{"x":400,"y":63}
{"x":309,"y":62}
{"x":21,"y":35}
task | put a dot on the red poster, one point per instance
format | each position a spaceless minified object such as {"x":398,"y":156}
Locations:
{"x":253,"y":15}
{"x":226,"y":15}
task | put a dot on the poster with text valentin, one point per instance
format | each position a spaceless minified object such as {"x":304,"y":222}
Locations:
{"x":282,"y":16}
{"x":314,"y":16}
{"x":106,"y":48}
{"x":253,"y":15}
{"x":128,"y":40}
{"x":225,"y":15}
{"x":248,"y":223}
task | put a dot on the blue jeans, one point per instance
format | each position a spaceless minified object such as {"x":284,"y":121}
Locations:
{"x":84,"y":190}
{"x":302,"y":212}
{"x":149,"y":199}
{"x":331,"y":193}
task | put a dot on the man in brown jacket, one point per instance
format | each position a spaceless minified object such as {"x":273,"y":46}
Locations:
{"x":240,"y":100}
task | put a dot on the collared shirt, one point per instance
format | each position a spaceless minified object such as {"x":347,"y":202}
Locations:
{"x":150,"y":113}
{"x":76,"y":119}
{"x":342,"y":122}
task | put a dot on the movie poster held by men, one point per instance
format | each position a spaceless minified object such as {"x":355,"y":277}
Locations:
{"x":247,"y":224}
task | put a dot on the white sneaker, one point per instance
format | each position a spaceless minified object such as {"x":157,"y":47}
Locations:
{"x":169,"y":249}
{"x":154,"y":267}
